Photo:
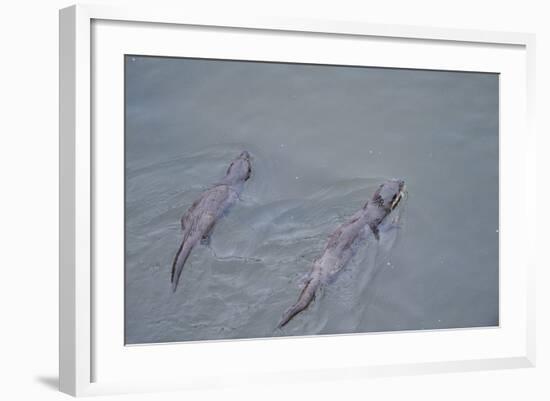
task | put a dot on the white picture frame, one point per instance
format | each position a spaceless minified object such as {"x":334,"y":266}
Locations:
{"x":510,"y":345}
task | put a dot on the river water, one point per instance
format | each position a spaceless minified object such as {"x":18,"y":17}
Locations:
{"x":322,"y":138}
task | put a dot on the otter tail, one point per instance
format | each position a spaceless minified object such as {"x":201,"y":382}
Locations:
{"x":305,"y":298}
{"x":179,"y":261}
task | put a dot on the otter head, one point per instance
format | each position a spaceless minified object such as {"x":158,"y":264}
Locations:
{"x":239,"y":170}
{"x":389,"y":194}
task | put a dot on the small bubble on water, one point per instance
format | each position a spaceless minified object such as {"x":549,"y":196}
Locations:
{"x":297,"y":177}
{"x":133,"y":59}
{"x":496,"y":230}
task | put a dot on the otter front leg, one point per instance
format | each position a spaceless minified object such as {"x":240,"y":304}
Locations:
{"x":374,"y":228}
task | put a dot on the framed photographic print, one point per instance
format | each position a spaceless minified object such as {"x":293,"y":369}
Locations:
{"x":291,"y":199}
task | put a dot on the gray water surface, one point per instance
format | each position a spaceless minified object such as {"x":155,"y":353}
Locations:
{"x":322,"y":139}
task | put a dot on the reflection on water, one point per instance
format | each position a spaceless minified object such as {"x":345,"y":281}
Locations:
{"x":322,"y":140}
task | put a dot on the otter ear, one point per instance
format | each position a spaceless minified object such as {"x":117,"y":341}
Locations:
{"x":229,"y":168}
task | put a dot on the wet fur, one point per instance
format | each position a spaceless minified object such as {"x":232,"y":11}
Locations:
{"x":200,"y":218}
{"x":338,"y":250}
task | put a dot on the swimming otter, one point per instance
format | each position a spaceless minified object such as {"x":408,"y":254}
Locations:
{"x":198,"y":221}
{"x":338,"y":250}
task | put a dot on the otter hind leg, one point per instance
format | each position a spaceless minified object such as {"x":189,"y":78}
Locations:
{"x":205,"y":240}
